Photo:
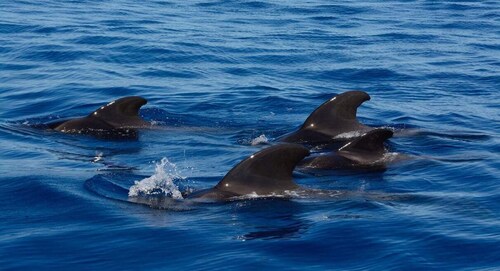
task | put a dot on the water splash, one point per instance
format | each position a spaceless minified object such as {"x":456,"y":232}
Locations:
{"x":98,"y":157}
{"x":160,"y":183}
{"x":262,"y":139}
{"x":391,"y":157}
{"x":355,"y":134}
{"x":349,"y":135}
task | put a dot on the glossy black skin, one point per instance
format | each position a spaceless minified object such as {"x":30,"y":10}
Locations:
{"x":334,"y":117}
{"x":269,"y":171}
{"x":119,"y":118}
{"x":365,"y":152}
{"x":266,"y":172}
{"x":333,"y":161}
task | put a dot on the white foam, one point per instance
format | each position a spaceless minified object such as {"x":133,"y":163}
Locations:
{"x":349,"y":135}
{"x":262,"y":139}
{"x":98,"y":157}
{"x":387,"y":158}
{"x":284,"y":194}
{"x":390,"y":157}
{"x":161,"y":182}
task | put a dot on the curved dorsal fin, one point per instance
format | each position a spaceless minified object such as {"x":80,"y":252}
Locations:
{"x":338,"y":113}
{"x":265,"y":172}
{"x":369,"y":146}
{"x":122,"y":113}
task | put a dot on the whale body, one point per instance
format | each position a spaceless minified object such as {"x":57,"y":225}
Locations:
{"x":118,"y":117}
{"x":335,"y":117}
{"x":267,"y":172}
{"x":367,"y":151}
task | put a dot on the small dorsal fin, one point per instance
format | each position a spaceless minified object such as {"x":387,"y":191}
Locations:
{"x":122,"y":113}
{"x":369,"y":146}
{"x":337,"y":112}
{"x":265,"y":172}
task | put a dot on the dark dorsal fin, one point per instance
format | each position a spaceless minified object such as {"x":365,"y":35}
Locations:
{"x":122,"y":113}
{"x":265,"y":172}
{"x":338,"y":114}
{"x":334,"y":117}
{"x":369,"y":146}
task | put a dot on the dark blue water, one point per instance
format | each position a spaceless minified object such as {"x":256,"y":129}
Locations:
{"x":219,"y":76}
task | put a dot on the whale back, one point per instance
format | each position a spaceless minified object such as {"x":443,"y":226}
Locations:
{"x":368,"y":148}
{"x":334,"y":117}
{"x":122,"y":113}
{"x":265,"y":172}
{"x":119,"y":114}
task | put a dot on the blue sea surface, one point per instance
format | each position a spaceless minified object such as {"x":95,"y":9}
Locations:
{"x":224,"y":79}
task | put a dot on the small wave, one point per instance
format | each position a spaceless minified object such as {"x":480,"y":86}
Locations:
{"x":160,"y":183}
{"x":363,"y":74}
{"x":285,"y":194}
{"x":162,"y":73}
{"x":301,"y":193}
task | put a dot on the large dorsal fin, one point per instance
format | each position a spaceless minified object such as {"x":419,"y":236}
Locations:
{"x":334,"y":117}
{"x":368,"y":147}
{"x":122,"y":113}
{"x":338,"y":115}
{"x":265,"y":172}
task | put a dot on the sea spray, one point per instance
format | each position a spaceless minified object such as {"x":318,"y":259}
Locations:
{"x":262,"y":139}
{"x":160,"y":183}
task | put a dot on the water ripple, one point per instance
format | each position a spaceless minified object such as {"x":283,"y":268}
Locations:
{"x":223,"y":79}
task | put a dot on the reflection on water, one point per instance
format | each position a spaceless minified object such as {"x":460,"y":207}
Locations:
{"x":270,"y":219}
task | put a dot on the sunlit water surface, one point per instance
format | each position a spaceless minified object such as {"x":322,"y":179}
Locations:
{"x":223,"y":80}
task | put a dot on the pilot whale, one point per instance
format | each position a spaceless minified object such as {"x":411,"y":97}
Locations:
{"x":367,"y":151}
{"x":335,"y":117}
{"x":118,"y":116}
{"x":267,"y":172}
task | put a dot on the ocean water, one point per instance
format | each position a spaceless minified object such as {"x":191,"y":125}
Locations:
{"x":224,"y":79}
